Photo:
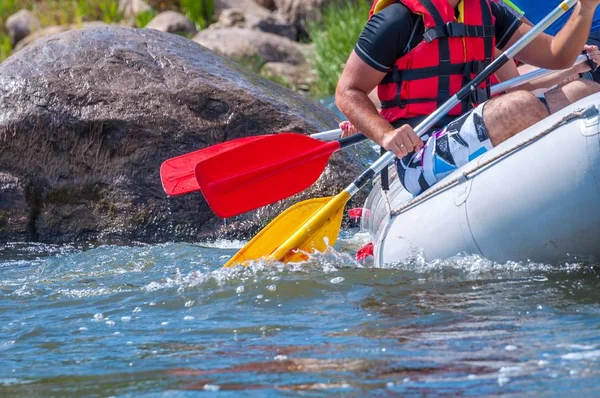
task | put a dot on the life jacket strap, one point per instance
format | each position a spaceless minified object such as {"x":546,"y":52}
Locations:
{"x":402,"y":103}
{"x":458,"y":29}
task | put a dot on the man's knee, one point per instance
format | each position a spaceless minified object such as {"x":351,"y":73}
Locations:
{"x":512,"y":113}
{"x":515,"y":103}
{"x":566,"y":94}
{"x":581,"y":88}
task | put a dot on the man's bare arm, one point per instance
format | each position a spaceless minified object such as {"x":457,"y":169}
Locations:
{"x":558,"y":52}
{"x":352,"y":98}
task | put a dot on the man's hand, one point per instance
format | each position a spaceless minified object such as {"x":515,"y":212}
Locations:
{"x":593,"y":53}
{"x":401,"y":141}
{"x":348,"y":129}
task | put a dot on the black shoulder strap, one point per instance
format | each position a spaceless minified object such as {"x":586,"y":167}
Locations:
{"x":444,"y":53}
{"x":458,"y":29}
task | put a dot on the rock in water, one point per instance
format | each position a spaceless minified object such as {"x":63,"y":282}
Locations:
{"x":88,"y":116}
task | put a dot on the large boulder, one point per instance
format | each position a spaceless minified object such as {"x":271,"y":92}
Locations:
{"x":15,"y":210}
{"x":88,"y":116}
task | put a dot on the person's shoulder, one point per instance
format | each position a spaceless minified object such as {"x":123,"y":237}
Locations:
{"x":503,"y":14}
{"x":394,"y":19}
{"x":396,"y":10}
{"x":496,"y":7}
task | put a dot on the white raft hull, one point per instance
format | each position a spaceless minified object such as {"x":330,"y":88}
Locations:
{"x":537,"y":201}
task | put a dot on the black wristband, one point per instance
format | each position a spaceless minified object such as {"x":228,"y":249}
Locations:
{"x":593,"y":66}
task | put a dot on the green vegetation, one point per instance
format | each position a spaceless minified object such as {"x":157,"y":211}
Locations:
{"x":335,"y":37}
{"x":254,"y":63}
{"x":5,"y":47}
{"x":7,"y":8}
{"x":141,"y":20}
{"x":199,"y":12}
{"x":63,"y":12}
{"x":110,"y":11}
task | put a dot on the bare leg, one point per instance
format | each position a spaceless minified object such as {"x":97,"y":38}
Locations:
{"x":512,"y":113}
{"x":566,"y":94}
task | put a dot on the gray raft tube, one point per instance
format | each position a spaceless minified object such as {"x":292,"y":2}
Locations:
{"x":535,"y":197}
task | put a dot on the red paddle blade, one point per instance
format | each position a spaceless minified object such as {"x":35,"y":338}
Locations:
{"x":261,"y":172}
{"x":177,"y":174}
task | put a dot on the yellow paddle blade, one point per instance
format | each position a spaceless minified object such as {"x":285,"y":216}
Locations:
{"x":307,"y":226}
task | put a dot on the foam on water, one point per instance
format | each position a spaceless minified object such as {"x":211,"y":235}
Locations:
{"x":114,"y":316}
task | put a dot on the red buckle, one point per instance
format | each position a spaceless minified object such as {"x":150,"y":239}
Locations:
{"x":364,"y":252}
{"x":357,"y":213}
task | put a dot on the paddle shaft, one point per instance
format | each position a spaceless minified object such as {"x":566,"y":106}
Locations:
{"x":464,"y":93}
{"x":498,"y":88}
{"x":533,"y":75}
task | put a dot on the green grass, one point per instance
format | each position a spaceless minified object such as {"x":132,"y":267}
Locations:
{"x":335,"y":37}
{"x":63,"y":12}
{"x":200,"y":12}
{"x":141,"y":20}
{"x":7,"y":8}
{"x":110,"y":11}
{"x":57,"y":12}
{"x":5,"y":47}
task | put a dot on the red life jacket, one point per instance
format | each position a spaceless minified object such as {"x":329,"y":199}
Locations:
{"x":451,"y":54}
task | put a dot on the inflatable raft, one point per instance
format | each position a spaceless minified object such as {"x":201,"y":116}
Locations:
{"x":535,"y":197}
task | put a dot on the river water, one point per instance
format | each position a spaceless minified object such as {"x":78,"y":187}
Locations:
{"x":167,"y":320}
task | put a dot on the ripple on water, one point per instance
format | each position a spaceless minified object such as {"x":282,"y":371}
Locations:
{"x":131,"y":320}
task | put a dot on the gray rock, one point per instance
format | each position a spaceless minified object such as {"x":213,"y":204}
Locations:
{"x":248,"y":7}
{"x":268,"y":4}
{"x":299,"y":77}
{"x":172,"y":22}
{"x":275,"y":25}
{"x":299,"y":12}
{"x":15,"y":210}
{"x":233,"y":17}
{"x":131,"y":8}
{"x":240,"y":43}
{"x":88,"y":116}
{"x":21,"y":25}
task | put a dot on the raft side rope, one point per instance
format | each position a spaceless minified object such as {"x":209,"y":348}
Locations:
{"x":586,"y":112}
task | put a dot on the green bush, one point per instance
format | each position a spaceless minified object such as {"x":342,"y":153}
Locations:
{"x":109,"y":10}
{"x":5,"y":46}
{"x":200,"y":12}
{"x":7,"y":8}
{"x":63,"y":12}
{"x":335,"y":37}
{"x":142,"y":19}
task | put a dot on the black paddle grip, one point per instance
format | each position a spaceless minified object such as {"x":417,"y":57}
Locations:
{"x":466,"y":91}
{"x":353,"y":139}
{"x":365,"y":177}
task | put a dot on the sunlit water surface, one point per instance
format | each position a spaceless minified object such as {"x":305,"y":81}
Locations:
{"x":167,"y":320}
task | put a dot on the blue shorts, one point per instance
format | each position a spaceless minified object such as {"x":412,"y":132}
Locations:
{"x":444,"y":151}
